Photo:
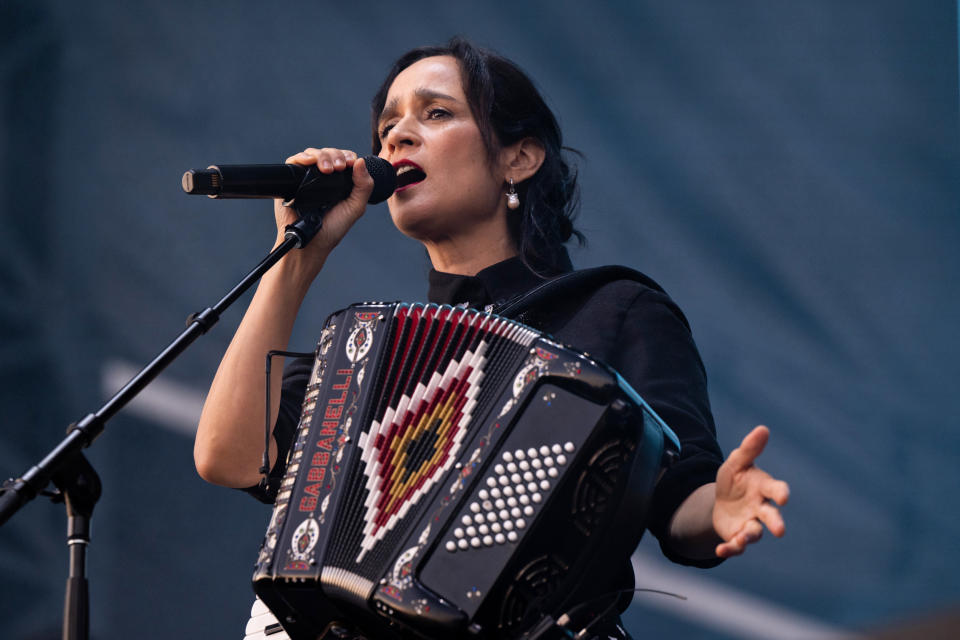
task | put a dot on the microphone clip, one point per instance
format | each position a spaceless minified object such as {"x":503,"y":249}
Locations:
{"x":311,"y":201}
{"x":307,"y":226}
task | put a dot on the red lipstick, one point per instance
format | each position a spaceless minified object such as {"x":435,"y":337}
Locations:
{"x":409,"y":173}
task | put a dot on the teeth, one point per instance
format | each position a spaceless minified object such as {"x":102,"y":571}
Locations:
{"x":405,"y":168}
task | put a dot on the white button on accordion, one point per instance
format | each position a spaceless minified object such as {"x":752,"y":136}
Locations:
{"x":454,"y":474}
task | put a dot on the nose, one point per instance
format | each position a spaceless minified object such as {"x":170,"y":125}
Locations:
{"x":401,"y":135}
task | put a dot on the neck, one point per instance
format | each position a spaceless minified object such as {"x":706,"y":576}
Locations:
{"x":468,"y":254}
{"x":464,"y":258}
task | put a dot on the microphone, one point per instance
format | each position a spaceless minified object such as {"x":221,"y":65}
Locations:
{"x":304,"y":184}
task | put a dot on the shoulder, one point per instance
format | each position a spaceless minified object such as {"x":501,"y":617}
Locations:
{"x":601,"y":310}
{"x":580,"y":285}
{"x":625,"y":293}
{"x":614,"y":276}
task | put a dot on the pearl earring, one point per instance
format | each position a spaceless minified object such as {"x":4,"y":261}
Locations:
{"x":513,"y":200}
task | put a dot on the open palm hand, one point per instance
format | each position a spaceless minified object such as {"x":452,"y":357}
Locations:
{"x":747,"y":497}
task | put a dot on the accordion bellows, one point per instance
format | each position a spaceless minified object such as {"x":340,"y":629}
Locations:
{"x":454,"y":473}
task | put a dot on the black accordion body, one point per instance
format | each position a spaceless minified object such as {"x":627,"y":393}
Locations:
{"x":455,"y":474}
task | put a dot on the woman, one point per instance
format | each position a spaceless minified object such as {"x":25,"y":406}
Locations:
{"x":484,"y":187}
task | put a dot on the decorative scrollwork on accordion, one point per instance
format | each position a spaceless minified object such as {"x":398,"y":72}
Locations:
{"x":442,"y":455}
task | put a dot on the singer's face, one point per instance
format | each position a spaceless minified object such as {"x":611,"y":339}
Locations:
{"x":448,"y":188}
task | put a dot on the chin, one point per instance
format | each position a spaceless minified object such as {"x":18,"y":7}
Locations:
{"x":416,"y":225}
{"x":429,"y":219}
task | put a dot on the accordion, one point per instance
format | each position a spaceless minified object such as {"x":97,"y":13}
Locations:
{"x":454,"y":474}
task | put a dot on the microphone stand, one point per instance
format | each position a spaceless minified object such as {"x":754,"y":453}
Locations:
{"x":75,"y":478}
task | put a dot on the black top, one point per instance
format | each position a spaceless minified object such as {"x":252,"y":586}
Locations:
{"x":630,"y":324}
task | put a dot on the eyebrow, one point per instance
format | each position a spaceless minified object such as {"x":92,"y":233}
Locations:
{"x":390,"y":109}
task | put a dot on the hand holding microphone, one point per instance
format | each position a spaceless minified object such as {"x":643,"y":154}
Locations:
{"x":333,"y":180}
{"x":325,"y":176}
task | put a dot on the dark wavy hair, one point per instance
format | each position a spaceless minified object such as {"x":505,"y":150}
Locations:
{"x":507,"y":108}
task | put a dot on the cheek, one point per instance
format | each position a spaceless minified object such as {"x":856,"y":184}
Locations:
{"x":462,"y":141}
{"x":466,"y":168}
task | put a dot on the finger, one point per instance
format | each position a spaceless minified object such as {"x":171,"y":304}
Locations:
{"x":299,"y":158}
{"x":751,"y":532}
{"x":728,"y":550}
{"x":362,"y":182}
{"x":770,"y":516}
{"x":330,"y":160}
{"x":327,"y":159}
{"x":306,"y":157}
{"x":732,"y":547}
{"x":750,"y":448}
{"x":776,"y":490}
{"x":339,"y":159}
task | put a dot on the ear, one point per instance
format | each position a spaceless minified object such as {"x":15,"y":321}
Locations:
{"x":522,"y":159}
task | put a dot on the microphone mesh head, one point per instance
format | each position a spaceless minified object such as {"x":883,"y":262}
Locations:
{"x":384,"y":178}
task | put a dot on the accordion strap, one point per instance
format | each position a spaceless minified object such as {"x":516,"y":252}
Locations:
{"x":572,"y":287}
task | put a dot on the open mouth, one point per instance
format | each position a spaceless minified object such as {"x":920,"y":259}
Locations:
{"x":408,"y":174}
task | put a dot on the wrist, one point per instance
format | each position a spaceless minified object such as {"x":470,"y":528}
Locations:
{"x":290,"y":278}
{"x":691,"y":531}
{"x":297,"y":270}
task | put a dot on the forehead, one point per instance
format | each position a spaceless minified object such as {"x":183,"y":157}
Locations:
{"x":437,"y":73}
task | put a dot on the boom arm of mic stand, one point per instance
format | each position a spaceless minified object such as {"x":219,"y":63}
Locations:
{"x":15,"y":493}
{"x":70,"y":471}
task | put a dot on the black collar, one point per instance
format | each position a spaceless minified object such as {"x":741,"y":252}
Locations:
{"x":495,"y":285}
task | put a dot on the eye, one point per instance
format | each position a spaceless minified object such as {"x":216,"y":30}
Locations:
{"x":436,"y":113}
{"x":385,"y":130}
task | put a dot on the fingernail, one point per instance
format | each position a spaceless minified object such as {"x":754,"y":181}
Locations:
{"x":326,"y":165}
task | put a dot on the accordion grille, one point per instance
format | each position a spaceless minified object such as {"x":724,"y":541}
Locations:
{"x":439,"y":363}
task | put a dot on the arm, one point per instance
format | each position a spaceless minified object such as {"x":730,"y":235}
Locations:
{"x":705,"y":508}
{"x":723,"y":517}
{"x":229,"y":441}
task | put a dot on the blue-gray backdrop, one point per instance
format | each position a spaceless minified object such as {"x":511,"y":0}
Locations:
{"x":788,"y":171}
